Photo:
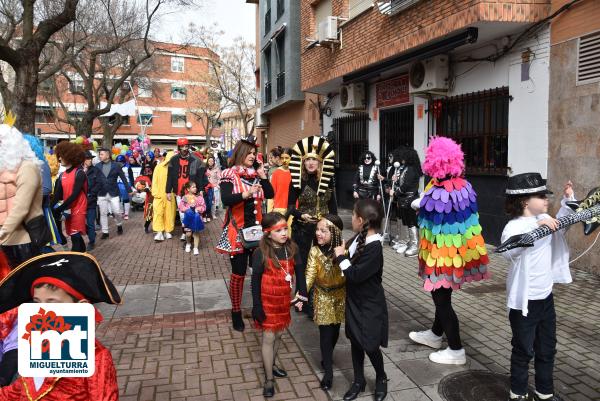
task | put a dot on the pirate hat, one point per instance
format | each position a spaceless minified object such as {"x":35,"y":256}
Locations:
{"x":77,"y":273}
{"x":313,"y":147}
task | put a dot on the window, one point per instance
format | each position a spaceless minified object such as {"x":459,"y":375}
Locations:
{"x":479,"y":122}
{"x":76,"y":85}
{"x":178,"y":92}
{"x":267,"y":16}
{"x":177,"y":64}
{"x":76,"y":115}
{"x":46,"y":86}
{"x":178,"y":120}
{"x":145,"y":119}
{"x":144,"y":87}
{"x":280,"y":8}
{"x":588,"y":60}
{"x":351,"y":139}
{"x":112,"y":120}
{"x":356,"y":7}
{"x":321,"y":12}
{"x":43,"y":115}
{"x":280,"y":47}
{"x":267,"y":74}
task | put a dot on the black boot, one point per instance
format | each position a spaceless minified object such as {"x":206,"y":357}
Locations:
{"x":146,"y":227}
{"x":354,"y":390}
{"x":269,"y":388}
{"x":327,"y":381}
{"x":380,"y":389}
{"x":238,"y":322}
{"x":119,"y":230}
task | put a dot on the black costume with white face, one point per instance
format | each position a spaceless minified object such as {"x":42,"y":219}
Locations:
{"x":366,"y":182}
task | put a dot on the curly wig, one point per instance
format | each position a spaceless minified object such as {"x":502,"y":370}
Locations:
{"x":71,"y":153}
{"x":443,"y":158}
{"x":410,"y":157}
{"x":14,"y":149}
{"x":368,"y":152}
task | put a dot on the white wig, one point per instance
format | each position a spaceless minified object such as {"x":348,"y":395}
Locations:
{"x":14,"y":149}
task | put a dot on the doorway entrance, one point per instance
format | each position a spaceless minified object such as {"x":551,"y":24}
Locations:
{"x":396,"y":129}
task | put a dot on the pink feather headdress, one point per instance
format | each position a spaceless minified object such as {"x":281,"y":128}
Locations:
{"x":443,"y":158}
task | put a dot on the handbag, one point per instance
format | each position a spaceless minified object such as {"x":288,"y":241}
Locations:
{"x":250,"y":236}
{"x":38,"y":231}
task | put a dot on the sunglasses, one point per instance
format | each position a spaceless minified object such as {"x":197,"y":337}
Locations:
{"x":368,"y":158}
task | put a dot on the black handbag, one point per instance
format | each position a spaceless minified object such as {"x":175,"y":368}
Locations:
{"x":38,"y":231}
{"x":250,"y":236}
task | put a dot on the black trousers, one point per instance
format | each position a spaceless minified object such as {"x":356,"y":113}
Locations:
{"x":534,"y":336}
{"x":358,"y":362}
{"x":239,"y":262}
{"x":446,"y":320}
{"x":328,"y":336}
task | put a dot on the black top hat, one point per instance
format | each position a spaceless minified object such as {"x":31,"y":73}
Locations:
{"x":88,"y":155}
{"x":527,"y":184}
{"x":80,"y":271}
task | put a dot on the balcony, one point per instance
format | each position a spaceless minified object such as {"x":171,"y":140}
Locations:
{"x":280,"y":84}
{"x":267,"y":21}
{"x":268,"y":93}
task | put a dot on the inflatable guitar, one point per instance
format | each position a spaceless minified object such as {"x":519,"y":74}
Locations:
{"x":586,"y":211}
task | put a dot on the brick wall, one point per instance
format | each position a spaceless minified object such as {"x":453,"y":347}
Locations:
{"x":372,"y":37}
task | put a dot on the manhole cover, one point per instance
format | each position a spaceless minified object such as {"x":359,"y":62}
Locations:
{"x":475,"y":385}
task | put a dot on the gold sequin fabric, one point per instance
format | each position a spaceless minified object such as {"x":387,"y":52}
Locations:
{"x":329,"y":288}
{"x":307,"y":202}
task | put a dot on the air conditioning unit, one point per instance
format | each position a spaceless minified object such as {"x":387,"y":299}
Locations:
{"x":430,"y":75}
{"x":352,"y":97}
{"x":327,"y":31}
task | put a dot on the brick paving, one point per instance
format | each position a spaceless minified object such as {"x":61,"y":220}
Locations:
{"x":196,"y":356}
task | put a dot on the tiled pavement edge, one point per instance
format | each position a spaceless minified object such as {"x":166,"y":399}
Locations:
{"x":179,"y":284}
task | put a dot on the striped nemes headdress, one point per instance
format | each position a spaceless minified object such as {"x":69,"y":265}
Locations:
{"x":313,"y":147}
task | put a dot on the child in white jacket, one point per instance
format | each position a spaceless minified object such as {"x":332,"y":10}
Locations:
{"x":532,"y":273}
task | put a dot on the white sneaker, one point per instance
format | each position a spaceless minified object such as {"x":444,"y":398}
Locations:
{"x":159,"y":236}
{"x":182,"y":238}
{"x":196,"y":252}
{"x":449,"y":357}
{"x":426,"y":338}
{"x":168,"y":235}
{"x":188,"y":248}
{"x":208,"y":219}
{"x":402,"y":248}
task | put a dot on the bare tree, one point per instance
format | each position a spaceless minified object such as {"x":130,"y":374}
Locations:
{"x":233,"y":72}
{"x":26,"y":27}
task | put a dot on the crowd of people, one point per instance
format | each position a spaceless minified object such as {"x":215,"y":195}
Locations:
{"x":281,"y":220}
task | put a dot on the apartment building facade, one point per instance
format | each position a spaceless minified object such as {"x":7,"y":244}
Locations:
{"x":397,"y":72}
{"x":164,"y":97}
{"x":574,"y":110}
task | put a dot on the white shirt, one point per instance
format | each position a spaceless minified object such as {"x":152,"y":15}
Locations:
{"x":534,"y":270}
{"x":352,"y":249}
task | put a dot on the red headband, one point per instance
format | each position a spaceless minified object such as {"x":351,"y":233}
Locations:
{"x":65,"y":287}
{"x":275,"y":227}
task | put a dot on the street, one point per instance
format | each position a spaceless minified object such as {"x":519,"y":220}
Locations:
{"x":172,"y":338}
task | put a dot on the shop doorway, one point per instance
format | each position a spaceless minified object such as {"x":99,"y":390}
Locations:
{"x":396,"y":129}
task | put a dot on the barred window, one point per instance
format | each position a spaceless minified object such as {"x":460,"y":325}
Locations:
{"x":351,"y":139}
{"x":479,"y":122}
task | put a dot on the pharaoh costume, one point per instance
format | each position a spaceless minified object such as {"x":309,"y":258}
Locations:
{"x":366,"y":182}
{"x":311,"y":194}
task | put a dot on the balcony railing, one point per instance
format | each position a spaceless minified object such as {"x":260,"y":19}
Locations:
{"x":267,"y":21}
{"x":280,"y":84}
{"x":267,"y":93}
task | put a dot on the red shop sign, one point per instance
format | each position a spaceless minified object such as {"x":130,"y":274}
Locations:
{"x":392,"y":92}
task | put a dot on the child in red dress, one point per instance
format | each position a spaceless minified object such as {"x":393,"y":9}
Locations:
{"x":273,"y":267}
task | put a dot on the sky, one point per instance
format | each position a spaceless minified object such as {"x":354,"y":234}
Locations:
{"x":235,"y":18}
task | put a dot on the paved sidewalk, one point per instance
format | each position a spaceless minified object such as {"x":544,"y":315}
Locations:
{"x":172,"y":338}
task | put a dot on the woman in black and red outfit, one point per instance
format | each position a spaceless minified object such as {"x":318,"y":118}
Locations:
{"x":243,"y":189}
{"x":70,"y":193}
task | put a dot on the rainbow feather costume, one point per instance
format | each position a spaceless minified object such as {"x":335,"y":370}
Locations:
{"x":451,"y":249}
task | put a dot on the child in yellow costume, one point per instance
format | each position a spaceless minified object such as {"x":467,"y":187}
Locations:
{"x":163,"y":219}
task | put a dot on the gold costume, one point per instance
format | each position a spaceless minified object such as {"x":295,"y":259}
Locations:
{"x":330,"y":288}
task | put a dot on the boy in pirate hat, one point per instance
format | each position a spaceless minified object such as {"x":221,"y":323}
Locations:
{"x":62,"y":277}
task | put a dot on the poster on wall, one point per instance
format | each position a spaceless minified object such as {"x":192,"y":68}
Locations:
{"x":392,"y":92}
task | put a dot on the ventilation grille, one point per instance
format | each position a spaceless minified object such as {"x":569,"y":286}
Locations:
{"x":393,"y":7}
{"x":588,"y":64}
